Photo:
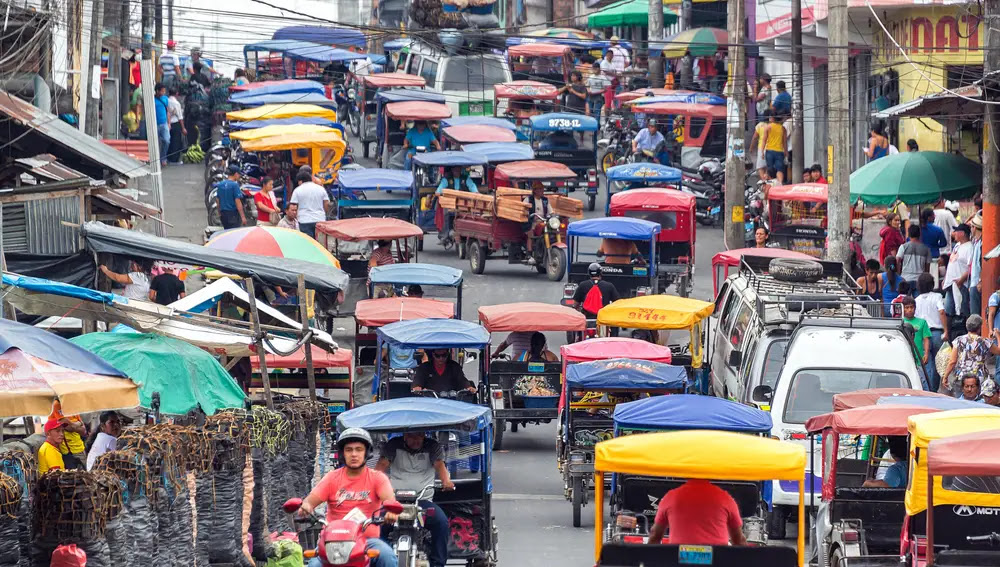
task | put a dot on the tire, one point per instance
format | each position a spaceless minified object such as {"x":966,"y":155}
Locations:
{"x":795,"y":270}
{"x":591,"y":202}
{"x":608,"y":161}
{"x":463,"y":249}
{"x":403,"y":558}
{"x":366,"y":149}
{"x":420,"y":245}
{"x":555,"y":264}
{"x":682,"y":286}
{"x":214,"y":217}
{"x":477,"y":260}
{"x":513,"y":427}
{"x":577,"y":500}
{"x":540,"y":266}
{"x":836,"y":556}
{"x":498,"y":427}
{"x":777,"y":521}
{"x":355,"y":118}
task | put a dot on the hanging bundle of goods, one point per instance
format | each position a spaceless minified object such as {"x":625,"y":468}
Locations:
{"x":456,"y":14}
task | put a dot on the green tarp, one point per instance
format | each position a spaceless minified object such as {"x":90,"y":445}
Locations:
{"x":185,"y":376}
{"x":633,"y":13}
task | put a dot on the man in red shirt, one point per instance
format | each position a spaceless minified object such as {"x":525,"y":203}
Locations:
{"x":817,"y":174}
{"x":698,"y":513}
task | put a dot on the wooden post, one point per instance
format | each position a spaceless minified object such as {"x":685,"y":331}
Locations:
{"x":304,"y":319}
{"x":736,"y":112}
{"x":991,"y":153}
{"x":259,"y":340}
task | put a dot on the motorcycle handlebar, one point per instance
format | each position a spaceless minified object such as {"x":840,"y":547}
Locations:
{"x":991,"y":538}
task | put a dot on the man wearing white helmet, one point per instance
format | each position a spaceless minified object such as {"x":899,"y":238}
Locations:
{"x":355,"y":492}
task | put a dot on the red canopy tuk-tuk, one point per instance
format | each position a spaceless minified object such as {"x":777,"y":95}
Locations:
{"x":797,"y":217}
{"x":332,"y":371}
{"x":550,"y":62}
{"x":722,"y":261}
{"x":455,"y":137}
{"x":521,"y":174}
{"x":675,"y":212}
{"x":698,"y":129}
{"x":368,"y":85}
{"x":518,"y":101}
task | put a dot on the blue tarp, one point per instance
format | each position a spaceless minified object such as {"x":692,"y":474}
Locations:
{"x":276,"y":45}
{"x":478,"y":121}
{"x":434,"y":333}
{"x":687,"y":411}
{"x":625,"y":374}
{"x":58,"y":288}
{"x":644,"y":172}
{"x":323,"y":54}
{"x":314,"y":120}
{"x":320,"y":34}
{"x":375,"y":179}
{"x":52,"y":348}
{"x":300,"y":86}
{"x":402,"y":95}
{"x":416,"y":414}
{"x":416,"y":274}
{"x":449,"y":158}
{"x":942,"y":404}
{"x":501,"y":152}
{"x":558,"y":121}
{"x":689,"y":98}
{"x":285,"y":98}
{"x":614,"y":227}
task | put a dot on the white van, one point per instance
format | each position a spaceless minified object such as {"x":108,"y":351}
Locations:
{"x":466,"y":80}
{"x":827,"y":356}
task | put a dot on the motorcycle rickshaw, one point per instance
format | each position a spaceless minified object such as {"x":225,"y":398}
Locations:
{"x":365,"y":193}
{"x":390,"y":127}
{"x":944,"y":511}
{"x":459,"y":337}
{"x":322,"y":151}
{"x":797,"y":217}
{"x":636,"y":175}
{"x":464,"y":432}
{"x":726,"y":259}
{"x":457,"y":137}
{"x":635,"y":275}
{"x":518,"y":101}
{"x":352,"y":241}
{"x":497,"y":153}
{"x":525,"y":392}
{"x":288,"y":375}
{"x":570,"y":139}
{"x":675,"y":212}
{"x":586,"y":404}
{"x":628,"y":96}
{"x":702,"y":127}
{"x":634,"y":498}
{"x":549,"y":63}
{"x":435,"y":281}
{"x":368,"y":85}
{"x":698,"y":454}
{"x":428,"y":169}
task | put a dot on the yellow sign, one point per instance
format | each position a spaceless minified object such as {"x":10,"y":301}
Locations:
{"x":738,"y":214}
{"x":829,"y":164}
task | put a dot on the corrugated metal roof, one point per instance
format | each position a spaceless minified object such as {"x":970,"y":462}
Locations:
{"x":137,"y":149}
{"x":48,"y":167}
{"x":116,"y":199}
{"x":99,"y":154}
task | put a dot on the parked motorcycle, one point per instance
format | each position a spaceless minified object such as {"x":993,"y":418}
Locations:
{"x":341,"y":543}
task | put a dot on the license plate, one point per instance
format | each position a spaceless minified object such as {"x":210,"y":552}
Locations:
{"x":715,"y":211}
{"x":694,"y":555}
{"x":337,"y":407}
{"x":639,"y":271}
{"x":536,"y":367}
{"x":476,"y":108}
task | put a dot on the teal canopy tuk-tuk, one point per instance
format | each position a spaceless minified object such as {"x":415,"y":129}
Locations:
{"x":570,"y":139}
{"x":367,"y":193}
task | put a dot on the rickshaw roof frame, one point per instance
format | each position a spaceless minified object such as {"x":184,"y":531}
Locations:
{"x":867,"y":420}
{"x":525,"y":90}
{"x":378,"y":179}
{"x":389,"y":80}
{"x":531,"y":316}
{"x":383,"y":311}
{"x":801,"y":192}
{"x":369,"y":229}
{"x":448,"y":158}
{"x":417,"y":110}
{"x":689,"y":411}
{"x":563,"y":122}
{"x":700,"y":454}
{"x":502,"y":152}
{"x":478,"y":121}
{"x":970,"y":454}
{"x":733,"y":257}
{"x":871,"y":396}
{"x":416,"y":274}
{"x":606,"y":348}
{"x":284,"y":86}
{"x":653,"y":199}
{"x":433,"y":334}
{"x":684,"y":108}
{"x":626,"y":96}
{"x":402,"y":415}
{"x":644,"y":173}
{"x":276,"y":45}
{"x":941,"y":404}
{"x":625,"y":374}
{"x":534,"y":170}
{"x":323,"y":54}
{"x":539,"y":49}
{"x":623,"y":228}
{"x":328,"y":140}
{"x":655,"y":312}
{"x":405,"y":94}
{"x":478,"y":133}
{"x":685,"y":98}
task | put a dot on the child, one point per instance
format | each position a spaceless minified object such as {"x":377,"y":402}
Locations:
{"x":904,"y":291}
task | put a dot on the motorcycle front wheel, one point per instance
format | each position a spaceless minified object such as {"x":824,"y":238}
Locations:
{"x":355,"y":119}
{"x":608,"y":161}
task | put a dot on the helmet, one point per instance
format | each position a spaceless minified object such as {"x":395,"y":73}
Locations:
{"x":650,"y":93}
{"x":354,"y":434}
{"x":651,"y":122}
{"x":594,"y":269}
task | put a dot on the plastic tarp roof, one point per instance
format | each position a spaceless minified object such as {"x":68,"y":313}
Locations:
{"x":478,"y":121}
{"x":625,"y":374}
{"x":732,"y":257}
{"x":434,"y":333}
{"x":713,"y":455}
{"x":653,"y":198}
{"x":403,"y":95}
{"x":386,"y":310}
{"x":419,"y":274}
{"x":417,"y":110}
{"x":535,"y":169}
{"x":289,"y":86}
{"x":972,"y":454}
{"x":417,"y":414}
{"x":563,"y":121}
{"x":331,"y":140}
{"x":311,"y":120}
{"x":102,"y":238}
{"x":322,"y":34}
{"x":659,"y":312}
{"x":531,"y":316}
{"x":526,"y":90}
{"x":644,"y":172}
{"x":367,"y":228}
{"x":868,"y":420}
{"x":941,"y":404}
{"x":449,"y":158}
{"x":285,"y":98}
{"x":614,"y":347}
{"x":276,"y":45}
{"x":323,"y":54}
{"x":375,"y":179}
{"x":869,"y":397}
{"x":396,"y":44}
{"x":811,"y":192}
{"x":640,"y":93}
{"x":539,"y":49}
{"x":469,"y":134}
{"x":498,"y":152}
{"x":276,"y":111}
{"x":684,"y":108}
{"x":614,"y":227}
{"x":52,"y":348}
{"x":687,"y":411}
{"x":383,"y":80}
{"x":279,"y":130}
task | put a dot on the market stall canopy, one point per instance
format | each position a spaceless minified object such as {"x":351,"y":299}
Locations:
{"x":688,"y":411}
{"x":275,"y":242}
{"x":540,"y":49}
{"x":275,"y":111}
{"x":333,"y":140}
{"x":971,"y":454}
{"x":952,"y":104}
{"x":416,"y":273}
{"x":871,"y":396}
{"x":629,"y":13}
{"x":531,"y":316}
{"x":185,"y":376}
{"x":323,"y":54}
{"x":365,"y":228}
{"x":383,"y":311}
{"x":434,"y":333}
{"x":416,"y":414}
{"x":615,"y":347}
{"x":806,"y":192}
{"x":625,"y":374}
{"x":660,"y":312}
{"x":535,"y":169}
{"x":375,"y":179}
{"x":686,"y":97}
{"x":38,"y":368}
{"x":702,"y":42}
{"x":102,"y":238}
{"x":916,"y":178}
{"x":277,"y":130}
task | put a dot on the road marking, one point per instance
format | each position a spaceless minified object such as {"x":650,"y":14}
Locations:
{"x":542,"y":497}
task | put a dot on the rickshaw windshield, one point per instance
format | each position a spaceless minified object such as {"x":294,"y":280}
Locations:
{"x":811,"y":391}
{"x":797,"y":213}
{"x":666,"y":219}
{"x":562,"y":140}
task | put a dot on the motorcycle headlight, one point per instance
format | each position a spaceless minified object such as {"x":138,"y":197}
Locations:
{"x":338,"y":552}
{"x":554,"y":223}
{"x":350,"y":93}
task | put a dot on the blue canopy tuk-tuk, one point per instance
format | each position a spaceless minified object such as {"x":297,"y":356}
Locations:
{"x":463,"y":431}
{"x":633,"y":175}
{"x":570,"y":139}
{"x":497,"y":153}
{"x":428,"y":169}
{"x":631,"y":269}
{"x":390,"y":132}
{"x":634,"y":498}
{"x":365,"y":193}
{"x":586,"y":406}
{"x":436,"y":277}
{"x":429,"y":334}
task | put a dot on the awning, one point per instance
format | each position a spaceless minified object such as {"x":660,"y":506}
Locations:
{"x":943,"y":104}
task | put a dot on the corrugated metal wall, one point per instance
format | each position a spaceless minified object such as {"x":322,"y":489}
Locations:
{"x":44,"y":229}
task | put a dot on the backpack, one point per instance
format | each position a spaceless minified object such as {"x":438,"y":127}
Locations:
{"x":594,"y":300}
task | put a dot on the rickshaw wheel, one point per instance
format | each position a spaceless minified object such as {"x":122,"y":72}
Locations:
{"x":498,"y":427}
{"x":477,"y":260}
{"x":463,"y":249}
{"x":555,"y":264}
{"x":607,"y":162}
{"x":420,"y":245}
{"x":577,"y":500}
{"x":591,"y":202}
{"x":366,"y":149}
{"x":835,"y":557}
{"x":777,"y":523}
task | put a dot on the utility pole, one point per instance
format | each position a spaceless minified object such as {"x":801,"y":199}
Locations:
{"x":991,"y":155}
{"x":687,"y":6}
{"x":158,"y":24}
{"x":170,"y":19}
{"x":655,"y":34}
{"x":839,"y":199}
{"x":798,"y":134}
{"x":147,"y":29}
{"x":116,"y":57}
{"x":93,"y":126}
{"x":736,"y":113}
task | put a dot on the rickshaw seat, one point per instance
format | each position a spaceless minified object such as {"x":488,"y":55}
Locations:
{"x":634,"y":555}
{"x":519,"y":367}
{"x":355,"y":268}
{"x":640,"y":492}
{"x":851,"y":472}
{"x":966,"y":558}
{"x":672,"y":252}
{"x":396,"y":138}
{"x":880,"y":510}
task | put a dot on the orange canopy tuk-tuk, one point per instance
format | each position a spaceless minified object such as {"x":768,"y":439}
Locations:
{"x":518,"y":101}
{"x":522,"y":174}
{"x":698,"y":129}
{"x":368,"y":85}
{"x":797,"y":217}
{"x":549,"y":62}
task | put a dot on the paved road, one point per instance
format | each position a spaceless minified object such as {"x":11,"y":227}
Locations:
{"x":533,"y":517}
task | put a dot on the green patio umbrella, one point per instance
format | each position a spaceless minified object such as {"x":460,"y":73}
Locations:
{"x":916,"y":178}
{"x":632,"y":13}
{"x":185,"y":376}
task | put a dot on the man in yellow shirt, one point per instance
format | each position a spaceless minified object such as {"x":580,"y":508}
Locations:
{"x":49,"y":456}
{"x":73,"y":449}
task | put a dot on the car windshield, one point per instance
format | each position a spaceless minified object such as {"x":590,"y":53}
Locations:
{"x":811,"y":390}
{"x":472,"y":73}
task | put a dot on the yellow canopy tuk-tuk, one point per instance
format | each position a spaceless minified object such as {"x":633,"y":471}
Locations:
{"x":660,"y":313}
{"x":278,"y":130}
{"x":322,"y":150}
{"x":710,"y":455}
{"x":276,"y":111}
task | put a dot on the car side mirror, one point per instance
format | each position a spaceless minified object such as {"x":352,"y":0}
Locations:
{"x":762,"y":393}
{"x":735,"y":357}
